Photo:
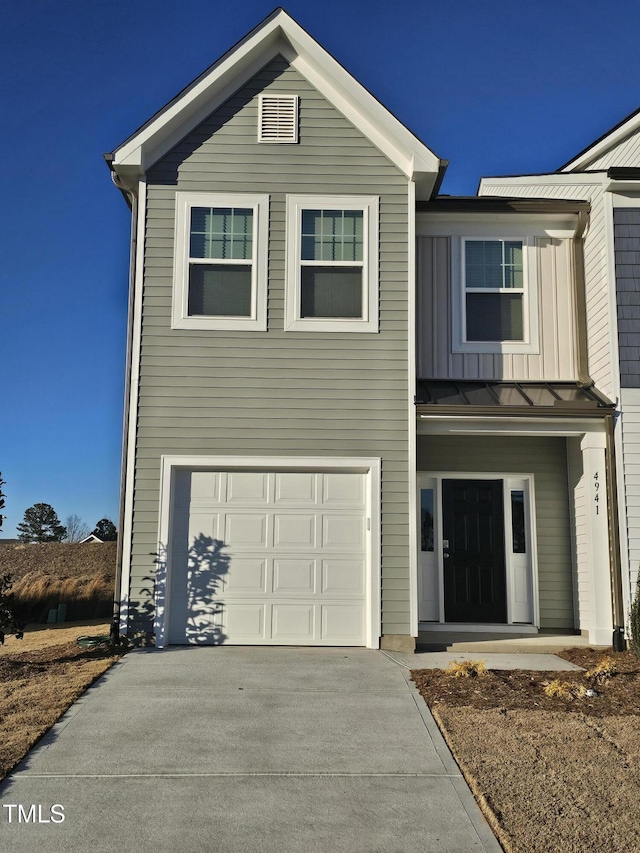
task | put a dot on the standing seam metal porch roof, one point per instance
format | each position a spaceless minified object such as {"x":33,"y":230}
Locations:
{"x":528,"y":398}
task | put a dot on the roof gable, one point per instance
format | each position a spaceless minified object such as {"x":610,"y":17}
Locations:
{"x":617,"y":147}
{"x":277,"y":34}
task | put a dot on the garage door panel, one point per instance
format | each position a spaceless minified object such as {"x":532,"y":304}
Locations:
{"x":204,"y":523}
{"x":295,"y":530}
{"x":342,"y":622}
{"x":297,"y":489}
{"x":246,"y":575}
{"x":247,"y":487}
{"x":293,"y":623}
{"x":294,"y":576}
{"x":206,"y":486}
{"x":245,"y":530}
{"x":343,"y":490}
{"x":343,"y":532}
{"x":343,"y":576}
{"x":244,"y":622}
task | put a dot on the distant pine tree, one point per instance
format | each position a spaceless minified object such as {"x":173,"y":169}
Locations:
{"x":41,"y":524}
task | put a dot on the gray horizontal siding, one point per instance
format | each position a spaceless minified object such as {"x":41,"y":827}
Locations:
{"x":274,"y":393}
{"x":626,"y":231}
{"x":546,"y":459}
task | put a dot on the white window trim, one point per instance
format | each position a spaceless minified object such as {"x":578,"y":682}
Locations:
{"x":530,"y":324}
{"x":180,"y":318}
{"x":369,"y":205}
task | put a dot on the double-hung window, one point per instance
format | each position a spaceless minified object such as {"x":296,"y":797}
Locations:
{"x":494,"y":289}
{"x":332,"y":263}
{"x":495,"y":305}
{"x":220,"y":261}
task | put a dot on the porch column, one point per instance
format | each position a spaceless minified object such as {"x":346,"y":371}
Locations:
{"x":593,"y":461}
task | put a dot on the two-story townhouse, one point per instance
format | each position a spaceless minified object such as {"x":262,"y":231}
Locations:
{"x":607,"y":175}
{"x":270,"y":398}
{"x":355,"y":411}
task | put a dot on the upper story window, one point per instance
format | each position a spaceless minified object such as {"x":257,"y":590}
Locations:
{"x":332,"y":264}
{"x":220,"y":272}
{"x":494,"y":290}
{"x":495,"y":295}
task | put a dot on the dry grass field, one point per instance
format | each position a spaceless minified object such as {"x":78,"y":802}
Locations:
{"x":40,"y":677}
{"x":552,"y":758}
{"x":46,"y":575}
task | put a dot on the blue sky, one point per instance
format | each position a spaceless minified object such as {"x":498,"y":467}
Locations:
{"x":496,"y":87}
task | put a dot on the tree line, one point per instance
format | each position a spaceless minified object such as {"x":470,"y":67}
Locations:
{"x":41,"y":524}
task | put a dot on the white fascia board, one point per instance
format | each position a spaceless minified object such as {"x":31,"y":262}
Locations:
{"x":615,"y":137}
{"x":199,"y":101}
{"x":280,"y":35}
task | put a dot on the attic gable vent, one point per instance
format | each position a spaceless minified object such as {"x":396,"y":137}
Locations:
{"x":278,"y":119}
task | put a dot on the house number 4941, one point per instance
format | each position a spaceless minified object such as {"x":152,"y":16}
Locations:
{"x":596,"y":488}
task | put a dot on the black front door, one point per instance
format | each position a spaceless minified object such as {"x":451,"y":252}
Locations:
{"x":474,"y":563}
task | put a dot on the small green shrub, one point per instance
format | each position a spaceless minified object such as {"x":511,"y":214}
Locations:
{"x":634,"y":621}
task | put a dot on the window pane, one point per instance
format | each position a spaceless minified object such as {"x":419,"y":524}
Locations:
{"x":221,"y":233}
{"x":493,"y":264}
{"x":332,"y":235}
{"x":513,"y":276}
{"x":426,"y":519}
{"x":517,"y":522}
{"x":220,"y":290}
{"x":483,"y":263}
{"x":494,"y":317}
{"x":331,"y":292}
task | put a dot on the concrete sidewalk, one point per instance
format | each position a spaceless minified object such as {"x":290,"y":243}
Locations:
{"x":244,"y":750}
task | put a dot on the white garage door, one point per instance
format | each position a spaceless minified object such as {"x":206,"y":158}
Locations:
{"x":268,"y":557}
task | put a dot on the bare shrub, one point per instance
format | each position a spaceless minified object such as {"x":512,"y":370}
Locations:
{"x":467,"y":669}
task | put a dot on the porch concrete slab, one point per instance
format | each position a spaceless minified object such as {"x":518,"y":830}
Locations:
{"x":441,"y":660}
{"x":237,"y":749}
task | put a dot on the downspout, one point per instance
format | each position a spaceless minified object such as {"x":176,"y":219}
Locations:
{"x":614,"y":538}
{"x":615,"y":569}
{"x":132,"y":201}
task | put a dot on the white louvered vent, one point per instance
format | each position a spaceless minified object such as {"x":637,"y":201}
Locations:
{"x":278,"y":119}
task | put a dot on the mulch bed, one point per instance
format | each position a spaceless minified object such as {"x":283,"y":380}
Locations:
{"x":514,"y":688}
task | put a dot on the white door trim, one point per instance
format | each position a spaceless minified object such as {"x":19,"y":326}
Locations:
{"x":511,"y":481}
{"x":370,"y":466}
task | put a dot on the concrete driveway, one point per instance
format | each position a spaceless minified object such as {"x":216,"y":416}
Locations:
{"x":244,"y":750}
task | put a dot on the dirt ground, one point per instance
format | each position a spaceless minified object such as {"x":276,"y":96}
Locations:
{"x":40,"y":677}
{"x":555,"y":773}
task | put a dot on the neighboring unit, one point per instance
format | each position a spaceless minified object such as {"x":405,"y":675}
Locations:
{"x":356,"y":411}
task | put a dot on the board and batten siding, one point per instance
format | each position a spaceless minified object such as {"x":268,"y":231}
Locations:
{"x":595,"y":259}
{"x":276,"y":393}
{"x":546,"y":459}
{"x":556,"y":319}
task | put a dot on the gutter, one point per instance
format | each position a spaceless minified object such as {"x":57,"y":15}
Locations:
{"x":132,"y":201}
